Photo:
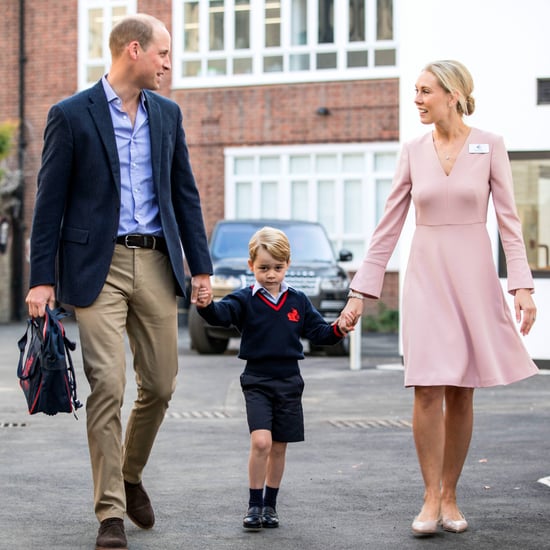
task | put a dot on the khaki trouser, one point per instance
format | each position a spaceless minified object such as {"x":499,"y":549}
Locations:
{"x":138,"y":298}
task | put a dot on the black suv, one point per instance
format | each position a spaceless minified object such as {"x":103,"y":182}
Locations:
{"x":313,"y":269}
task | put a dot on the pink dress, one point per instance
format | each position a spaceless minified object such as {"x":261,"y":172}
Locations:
{"x":457,"y":327}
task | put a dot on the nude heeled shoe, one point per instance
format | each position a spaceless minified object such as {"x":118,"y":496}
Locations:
{"x":454,"y":526}
{"x":422,"y":528}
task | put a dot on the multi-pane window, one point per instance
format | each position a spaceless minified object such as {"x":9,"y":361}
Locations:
{"x":259,"y":41}
{"x":95,"y":21}
{"x":531,"y":173}
{"x":342,"y":186}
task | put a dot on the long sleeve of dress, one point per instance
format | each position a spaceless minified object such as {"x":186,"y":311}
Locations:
{"x":509,"y":225}
{"x":370,"y":276}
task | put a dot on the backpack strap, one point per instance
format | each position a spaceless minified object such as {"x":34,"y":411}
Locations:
{"x":56,"y":315}
{"x":71,"y":346}
{"x":22,"y":345}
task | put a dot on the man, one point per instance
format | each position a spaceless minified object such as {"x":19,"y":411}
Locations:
{"x":116,"y":203}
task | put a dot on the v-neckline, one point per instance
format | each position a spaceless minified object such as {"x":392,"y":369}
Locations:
{"x":459,"y":154}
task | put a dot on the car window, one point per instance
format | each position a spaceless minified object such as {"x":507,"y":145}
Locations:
{"x":308,"y":242}
{"x":231,"y":241}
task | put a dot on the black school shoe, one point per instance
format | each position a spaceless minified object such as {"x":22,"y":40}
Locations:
{"x":253,"y":518}
{"x":270,"y":519}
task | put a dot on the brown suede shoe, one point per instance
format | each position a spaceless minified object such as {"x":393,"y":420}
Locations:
{"x":138,"y":505}
{"x":111,"y":535}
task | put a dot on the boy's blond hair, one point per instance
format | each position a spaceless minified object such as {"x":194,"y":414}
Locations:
{"x":273,"y":240}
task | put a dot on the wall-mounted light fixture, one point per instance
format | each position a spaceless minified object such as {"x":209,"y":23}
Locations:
{"x":323,"y":111}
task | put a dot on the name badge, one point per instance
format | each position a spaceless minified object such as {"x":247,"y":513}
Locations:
{"x":479,"y":148}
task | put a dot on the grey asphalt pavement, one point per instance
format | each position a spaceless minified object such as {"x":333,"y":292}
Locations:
{"x":353,"y":484}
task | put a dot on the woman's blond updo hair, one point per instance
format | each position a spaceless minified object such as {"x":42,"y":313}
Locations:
{"x":274,"y":241}
{"x":453,"y":77}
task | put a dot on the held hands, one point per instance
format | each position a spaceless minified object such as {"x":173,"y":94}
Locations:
{"x":201,"y":290}
{"x":345,"y":323}
{"x":523,"y":301}
{"x":204,"y":298}
{"x":350,"y":315}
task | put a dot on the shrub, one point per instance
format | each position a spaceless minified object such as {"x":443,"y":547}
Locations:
{"x":387,"y":320}
{"x":7,"y":133}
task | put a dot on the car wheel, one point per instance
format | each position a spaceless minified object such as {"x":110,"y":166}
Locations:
{"x":200,"y":341}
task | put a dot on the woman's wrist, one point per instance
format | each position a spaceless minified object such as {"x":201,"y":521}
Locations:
{"x":354,"y":294}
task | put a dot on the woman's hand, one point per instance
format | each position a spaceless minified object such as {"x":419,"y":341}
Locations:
{"x":352,"y":312}
{"x":523,"y":301}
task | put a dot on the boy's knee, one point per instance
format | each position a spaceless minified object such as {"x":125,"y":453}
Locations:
{"x":261,"y":441}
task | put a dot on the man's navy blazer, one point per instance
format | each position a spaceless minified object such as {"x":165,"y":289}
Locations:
{"x":77,"y":208}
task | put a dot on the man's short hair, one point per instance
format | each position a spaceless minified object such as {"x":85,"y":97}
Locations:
{"x":140,"y":27}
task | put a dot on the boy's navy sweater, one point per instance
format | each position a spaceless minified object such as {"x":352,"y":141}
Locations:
{"x":271,"y":333}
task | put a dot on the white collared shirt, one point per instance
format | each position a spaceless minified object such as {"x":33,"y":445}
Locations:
{"x":258,"y":287}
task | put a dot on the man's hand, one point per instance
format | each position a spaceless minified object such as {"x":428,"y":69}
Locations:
{"x":38,"y":297}
{"x":204,"y":298}
{"x":200,"y":282}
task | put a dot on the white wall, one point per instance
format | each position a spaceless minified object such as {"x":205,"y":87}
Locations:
{"x":505,"y":44}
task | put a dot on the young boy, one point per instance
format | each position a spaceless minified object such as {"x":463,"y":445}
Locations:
{"x":272,"y":318}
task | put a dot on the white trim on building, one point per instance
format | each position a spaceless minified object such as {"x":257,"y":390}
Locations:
{"x":343,"y":186}
{"x":95,"y":21}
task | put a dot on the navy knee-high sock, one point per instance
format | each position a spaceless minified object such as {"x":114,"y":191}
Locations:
{"x":256,"y":498}
{"x":270,"y":497}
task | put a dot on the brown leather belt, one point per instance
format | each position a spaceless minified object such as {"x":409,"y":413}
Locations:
{"x":143,"y":241}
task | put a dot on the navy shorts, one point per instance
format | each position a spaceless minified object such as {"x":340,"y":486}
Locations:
{"x":275,"y":404}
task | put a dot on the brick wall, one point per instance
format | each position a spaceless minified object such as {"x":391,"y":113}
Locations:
{"x":360,"y":111}
{"x":389,"y":297}
{"x":9,"y":38}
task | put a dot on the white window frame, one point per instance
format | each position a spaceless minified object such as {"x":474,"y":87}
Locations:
{"x":83,"y":35}
{"x":341,"y":47}
{"x":283,"y":207}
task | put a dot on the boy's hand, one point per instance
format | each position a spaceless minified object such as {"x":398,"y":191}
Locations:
{"x":345,"y":322}
{"x":204,"y":297}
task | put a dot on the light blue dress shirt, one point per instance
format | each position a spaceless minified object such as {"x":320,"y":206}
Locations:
{"x":139,"y":211}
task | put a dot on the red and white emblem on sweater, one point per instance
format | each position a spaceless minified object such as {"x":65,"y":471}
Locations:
{"x":293,"y":315}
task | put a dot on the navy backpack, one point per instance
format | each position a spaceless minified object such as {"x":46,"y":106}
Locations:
{"x":46,"y":375}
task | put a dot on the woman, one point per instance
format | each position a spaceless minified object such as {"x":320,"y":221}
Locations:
{"x":458,"y":333}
